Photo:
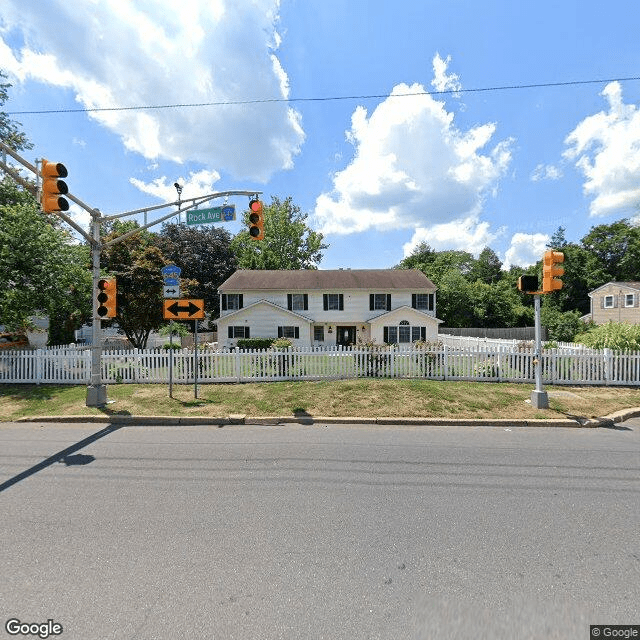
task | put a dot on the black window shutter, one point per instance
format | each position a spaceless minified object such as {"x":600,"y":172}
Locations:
{"x":413,"y":300}
{"x":246,"y":332}
{"x":388,"y":302}
{"x":296,"y":332}
{"x":230,"y":332}
{"x":372,"y":298}
{"x":240,"y":303}
{"x":325,"y":301}
{"x":431,"y":301}
{"x":279,"y":332}
{"x":289,"y":301}
{"x":423,"y":333}
{"x":306,"y":301}
{"x":224,"y":301}
{"x":341,"y":302}
{"x":385,"y":334}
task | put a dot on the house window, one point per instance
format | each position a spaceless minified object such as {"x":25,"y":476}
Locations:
{"x":608,"y":302}
{"x":231,"y":301}
{"x":379,"y":302}
{"x":404,"y":333}
{"x":318,"y":333}
{"x":629,"y":300}
{"x":238,"y":332}
{"x":297,"y":301}
{"x":333,"y":301}
{"x":423,"y":301}
{"x":289,"y":332}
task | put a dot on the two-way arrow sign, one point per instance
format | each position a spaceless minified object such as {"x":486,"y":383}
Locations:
{"x":183,"y":309}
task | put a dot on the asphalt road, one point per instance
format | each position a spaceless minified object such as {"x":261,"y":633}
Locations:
{"x":319,"y":532}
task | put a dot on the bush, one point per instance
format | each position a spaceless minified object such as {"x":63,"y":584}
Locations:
{"x":613,"y":335}
{"x":169,"y":345}
{"x":255,"y":343}
{"x":282,"y":343}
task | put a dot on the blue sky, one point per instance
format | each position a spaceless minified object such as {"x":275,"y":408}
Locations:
{"x":459,"y":170}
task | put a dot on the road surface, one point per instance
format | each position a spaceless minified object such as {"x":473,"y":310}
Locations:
{"x":319,"y":532}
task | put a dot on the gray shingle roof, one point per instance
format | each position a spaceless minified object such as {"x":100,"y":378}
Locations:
{"x":329,"y":279}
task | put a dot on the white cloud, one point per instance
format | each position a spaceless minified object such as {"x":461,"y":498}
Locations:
{"x":465,"y":235}
{"x":546,"y":172}
{"x":525,"y":249}
{"x":115,"y":54}
{"x":412,"y":168}
{"x":606,"y":149}
{"x":196,"y":184}
{"x":442,"y":81}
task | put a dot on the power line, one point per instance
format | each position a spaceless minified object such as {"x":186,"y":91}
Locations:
{"x":224,"y":103}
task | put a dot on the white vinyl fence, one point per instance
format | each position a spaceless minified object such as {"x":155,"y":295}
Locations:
{"x":437,"y":362}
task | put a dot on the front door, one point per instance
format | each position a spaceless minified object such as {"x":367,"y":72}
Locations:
{"x":345,"y":336}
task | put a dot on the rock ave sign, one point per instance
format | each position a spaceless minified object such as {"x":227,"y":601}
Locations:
{"x":212,"y":214}
{"x":184,"y":309}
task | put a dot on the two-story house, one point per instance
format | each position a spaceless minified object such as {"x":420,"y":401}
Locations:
{"x":328,"y":307}
{"x":616,"y":301}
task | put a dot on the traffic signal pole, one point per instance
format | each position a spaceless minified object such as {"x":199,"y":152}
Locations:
{"x":96,"y":391}
{"x":539,"y":397}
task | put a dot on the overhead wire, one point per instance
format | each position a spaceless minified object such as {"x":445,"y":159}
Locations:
{"x":223,"y":103}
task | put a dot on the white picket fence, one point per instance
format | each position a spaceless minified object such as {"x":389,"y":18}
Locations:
{"x":437,"y":362}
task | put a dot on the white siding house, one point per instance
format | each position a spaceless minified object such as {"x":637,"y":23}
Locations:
{"x":328,"y":307}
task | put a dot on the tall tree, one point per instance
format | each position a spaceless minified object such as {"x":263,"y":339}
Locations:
{"x":614,"y":252}
{"x":289,"y":243}
{"x":137,"y":265}
{"x":41,"y":272}
{"x":205,"y":257}
{"x":487,"y":268}
{"x":10,"y":131}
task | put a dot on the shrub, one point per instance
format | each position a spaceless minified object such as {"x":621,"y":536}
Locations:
{"x":613,"y":335}
{"x":255,"y":343}
{"x":281,"y":343}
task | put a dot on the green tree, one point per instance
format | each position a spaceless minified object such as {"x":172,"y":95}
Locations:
{"x":205,"y":257}
{"x":41,"y":272}
{"x":614,"y":252}
{"x":288,"y":242}
{"x":487,"y":268}
{"x":137,"y":265}
{"x":10,"y":132}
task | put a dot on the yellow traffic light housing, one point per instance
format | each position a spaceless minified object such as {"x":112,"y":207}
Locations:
{"x":256,"y":220}
{"x":53,"y":188}
{"x":551,"y":272}
{"x":107,"y":298}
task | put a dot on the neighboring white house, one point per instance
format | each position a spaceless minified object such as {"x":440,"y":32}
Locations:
{"x":328,"y":307}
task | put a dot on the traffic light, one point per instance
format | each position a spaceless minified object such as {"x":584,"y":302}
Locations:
{"x":528,"y":284}
{"x":107,"y":298}
{"x":256,"y":220}
{"x":52,"y":187}
{"x":551,"y":272}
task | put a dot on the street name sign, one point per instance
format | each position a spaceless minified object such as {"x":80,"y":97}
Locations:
{"x":212,"y":214}
{"x":183,"y":309}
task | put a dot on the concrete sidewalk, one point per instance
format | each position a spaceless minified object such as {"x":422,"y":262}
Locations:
{"x":577,"y":422}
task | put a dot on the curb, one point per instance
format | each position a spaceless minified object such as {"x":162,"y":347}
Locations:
{"x":128,"y":420}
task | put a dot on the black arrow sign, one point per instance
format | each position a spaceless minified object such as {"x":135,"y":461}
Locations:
{"x":190,"y":308}
{"x":184,"y":309}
